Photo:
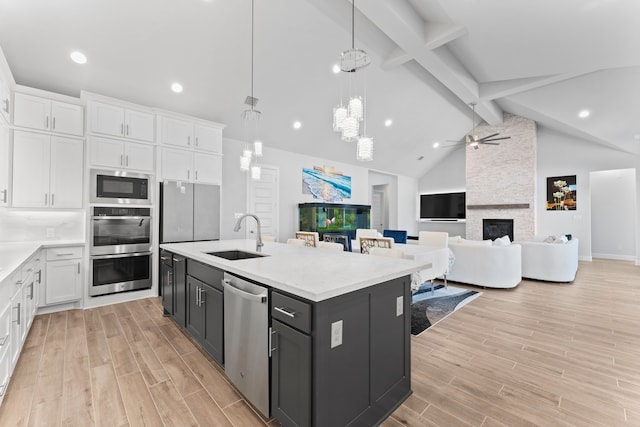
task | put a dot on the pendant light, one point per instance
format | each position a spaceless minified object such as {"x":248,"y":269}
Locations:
{"x":350,"y":118}
{"x":251,"y":116}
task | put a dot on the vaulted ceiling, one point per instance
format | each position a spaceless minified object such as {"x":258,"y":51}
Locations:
{"x":545,"y":60}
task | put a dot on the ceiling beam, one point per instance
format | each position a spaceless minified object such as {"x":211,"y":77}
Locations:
{"x":499,"y":89}
{"x":402,"y":24}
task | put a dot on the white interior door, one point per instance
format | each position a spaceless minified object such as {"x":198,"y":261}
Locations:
{"x":377,"y":211}
{"x":262,"y":200}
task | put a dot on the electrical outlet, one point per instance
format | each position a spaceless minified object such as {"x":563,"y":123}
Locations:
{"x":399,"y":306}
{"x":336,"y":334}
{"x":237,"y":215}
{"x":51,"y":233}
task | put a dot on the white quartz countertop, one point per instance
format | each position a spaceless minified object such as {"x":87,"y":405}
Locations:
{"x":13,"y":254}
{"x":311,"y":273}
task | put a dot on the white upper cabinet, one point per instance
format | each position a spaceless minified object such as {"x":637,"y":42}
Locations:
{"x":113,"y":153}
{"x":176,"y":132}
{"x":44,"y":114}
{"x":208,"y":138}
{"x":47,"y":171}
{"x":4,"y":163}
{"x":207,"y":168}
{"x":185,"y":165}
{"x":191,"y":134}
{"x":122,"y":122}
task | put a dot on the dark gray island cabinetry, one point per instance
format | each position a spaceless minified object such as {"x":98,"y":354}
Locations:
{"x":349,"y":364}
{"x":338,"y":327}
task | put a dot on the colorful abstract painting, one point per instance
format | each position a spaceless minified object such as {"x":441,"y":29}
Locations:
{"x":326,"y":183}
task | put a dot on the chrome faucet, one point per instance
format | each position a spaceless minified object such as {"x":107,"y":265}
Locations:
{"x":259,"y":243}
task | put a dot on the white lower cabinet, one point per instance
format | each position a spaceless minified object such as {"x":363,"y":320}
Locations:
{"x":5,"y":350}
{"x":63,"y":275}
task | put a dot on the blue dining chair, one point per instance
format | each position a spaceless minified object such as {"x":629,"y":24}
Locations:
{"x":399,"y":236}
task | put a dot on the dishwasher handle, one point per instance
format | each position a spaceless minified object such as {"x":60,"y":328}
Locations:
{"x":230,"y":287}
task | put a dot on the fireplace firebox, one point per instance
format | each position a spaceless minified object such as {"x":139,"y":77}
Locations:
{"x":494,"y":228}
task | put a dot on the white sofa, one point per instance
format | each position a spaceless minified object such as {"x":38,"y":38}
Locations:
{"x":483,"y":264}
{"x":553,"y":262}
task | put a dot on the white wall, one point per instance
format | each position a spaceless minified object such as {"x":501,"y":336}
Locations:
{"x":613,"y":202}
{"x":234,"y":188}
{"x":560,"y":154}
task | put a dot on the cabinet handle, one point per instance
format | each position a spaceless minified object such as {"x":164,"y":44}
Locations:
{"x":203,"y":293}
{"x":53,"y":124}
{"x":4,"y":196}
{"x":29,"y":270}
{"x":31,"y":293}
{"x":271,"y":334}
{"x":4,"y":340}
{"x":121,"y":160}
{"x":126,"y":160}
{"x":46,"y":122}
{"x":196,"y":141}
{"x":188,"y":140}
{"x":65,"y":254}
{"x":40,"y":277}
{"x":284,"y":311}
{"x":46,"y":198}
{"x":198,"y":296}
{"x":52,"y":198}
{"x":18,"y":320}
{"x":6,"y":105}
{"x":127,"y":129}
{"x":121,"y":128}
{"x":188,"y":174}
{"x":196,"y":175}
{"x":78,"y":268}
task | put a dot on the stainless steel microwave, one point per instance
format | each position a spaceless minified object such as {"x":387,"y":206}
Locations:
{"x":120,"y":187}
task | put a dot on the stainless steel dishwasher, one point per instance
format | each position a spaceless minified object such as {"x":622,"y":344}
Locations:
{"x":246,"y":352}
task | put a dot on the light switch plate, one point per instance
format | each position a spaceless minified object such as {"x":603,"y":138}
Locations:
{"x":336,"y":334}
{"x":399,"y":305}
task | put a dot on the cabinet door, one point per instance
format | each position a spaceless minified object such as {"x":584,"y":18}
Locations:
{"x":207,"y":168}
{"x":195,"y":309}
{"x":213,"y":339}
{"x":67,"y":118}
{"x":107,"y":119}
{"x":208,"y":138}
{"x":290,"y":376}
{"x":28,"y":303}
{"x":139,"y":125}
{"x":138,"y":156}
{"x":4,"y":163}
{"x":177,"y":164}
{"x":16,"y":324}
{"x":180,"y":290}
{"x":107,"y":152}
{"x":31,"y":112}
{"x":166,"y":282}
{"x":66,"y":172}
{"x":176,"y":132}
{"x":63,"y":281}
{"x":30,"y":170}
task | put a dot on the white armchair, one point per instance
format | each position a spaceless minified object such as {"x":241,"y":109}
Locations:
{"x":553,"y":262}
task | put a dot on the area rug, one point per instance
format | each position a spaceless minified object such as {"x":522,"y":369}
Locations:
{"x":429,"y":308}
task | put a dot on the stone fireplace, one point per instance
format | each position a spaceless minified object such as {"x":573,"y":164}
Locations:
{"x":494,"y":228}
{"x":501,"y":179}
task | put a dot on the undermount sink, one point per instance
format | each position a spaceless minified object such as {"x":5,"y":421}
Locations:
{"x":235,"y":254}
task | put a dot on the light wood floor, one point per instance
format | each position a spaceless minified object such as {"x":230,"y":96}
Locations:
{"x":542,"y":354}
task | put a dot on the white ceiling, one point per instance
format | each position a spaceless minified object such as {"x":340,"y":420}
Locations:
{"x":543,"y":59}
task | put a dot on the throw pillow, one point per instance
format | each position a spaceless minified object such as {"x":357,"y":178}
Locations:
{"x":502,"y":241}
{"x":476,"y":242}
{"x":561,"y":239}
{"x":455,"y":239}
{"x":549,"y":239}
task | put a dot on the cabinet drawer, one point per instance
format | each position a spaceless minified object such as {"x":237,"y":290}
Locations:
{"x":55,"y":254}
{"x":5,"y":366}
{"x":206,"y":274}
{"x":15,"y":282}
{"x":5,"y":328}
{"x":291,"y":311}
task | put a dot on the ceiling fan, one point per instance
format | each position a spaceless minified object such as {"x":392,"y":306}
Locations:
{"x":474,"y":140}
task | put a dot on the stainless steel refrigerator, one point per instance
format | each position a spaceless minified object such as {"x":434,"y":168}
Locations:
{"x":189,"y":212}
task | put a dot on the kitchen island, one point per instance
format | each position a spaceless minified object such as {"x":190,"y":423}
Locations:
{"x":338,"y":325}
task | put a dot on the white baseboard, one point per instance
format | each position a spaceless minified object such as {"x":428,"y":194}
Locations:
{"x":615,"y":257}
{"x":585,"y":258}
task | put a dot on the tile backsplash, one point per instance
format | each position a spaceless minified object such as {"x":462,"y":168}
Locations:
{"x":19,"y":225}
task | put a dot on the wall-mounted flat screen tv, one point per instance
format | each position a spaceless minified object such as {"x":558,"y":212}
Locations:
{"x":447,"y":206}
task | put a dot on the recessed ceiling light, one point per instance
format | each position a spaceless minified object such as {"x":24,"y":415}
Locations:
{"x":636,"y":136}
{"x":176,"y":87}
{"x":297,"y":125}
{"x":335,"y":68}
{"x":388,"y":122}
{"x":584,"y":114}
{"x":78,"y":57}
{"x":436,"y":144}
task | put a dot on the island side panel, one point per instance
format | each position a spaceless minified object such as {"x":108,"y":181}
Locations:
{"x":361,"y":381}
